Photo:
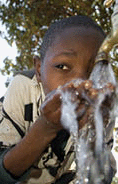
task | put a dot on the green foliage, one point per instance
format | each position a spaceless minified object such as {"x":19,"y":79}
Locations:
{"x":27,"y":20}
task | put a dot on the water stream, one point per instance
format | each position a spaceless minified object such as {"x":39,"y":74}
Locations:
{"x":92,"y":155}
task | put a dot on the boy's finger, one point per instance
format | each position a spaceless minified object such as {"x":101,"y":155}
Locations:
{"x":80,"y":112}
{"x":52,"y":103}
{"x":93,"y":94}
{"x":87,"y":117}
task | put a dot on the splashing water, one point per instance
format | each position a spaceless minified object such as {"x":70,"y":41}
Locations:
{"x":100,"y":170}
{"x":99,"y":125}
{"x":92,"y":157}
{"x":102,"y":74}
{"x":69,"y":121}
{"x":115,"y":143}
{"x":68,"y":117}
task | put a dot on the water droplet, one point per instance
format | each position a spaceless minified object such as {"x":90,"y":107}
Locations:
{"x":87,"y":168}
{"x":90,"y":139}
{"x":89,"y":126}
{"x":86,"y":180}
{"x":77,"y":93}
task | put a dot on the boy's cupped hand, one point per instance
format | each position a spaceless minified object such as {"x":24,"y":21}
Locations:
{"x":86,"y":97}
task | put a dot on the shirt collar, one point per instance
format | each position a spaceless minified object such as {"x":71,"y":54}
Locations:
{"x":37,"y":84}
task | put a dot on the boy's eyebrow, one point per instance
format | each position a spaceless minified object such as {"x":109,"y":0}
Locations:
{"x":67,"y":53}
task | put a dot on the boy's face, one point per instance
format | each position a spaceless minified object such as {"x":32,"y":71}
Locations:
{"x":70,"y":57}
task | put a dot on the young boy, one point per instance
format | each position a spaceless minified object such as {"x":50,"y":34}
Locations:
{"x":34,"y":146}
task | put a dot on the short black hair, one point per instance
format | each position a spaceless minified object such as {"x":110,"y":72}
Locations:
{"x":57,"y":27}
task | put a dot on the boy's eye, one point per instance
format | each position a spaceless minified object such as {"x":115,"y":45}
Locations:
{"x":62,"y":67}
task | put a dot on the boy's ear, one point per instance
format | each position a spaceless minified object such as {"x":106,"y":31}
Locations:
{"x":37,"y":62}
{"x":37,"y":66}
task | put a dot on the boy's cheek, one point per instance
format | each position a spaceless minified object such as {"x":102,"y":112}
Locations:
{"x":50,"y":86}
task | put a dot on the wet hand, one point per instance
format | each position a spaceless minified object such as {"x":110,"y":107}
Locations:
{"x":90,"y":98}
{"x":84,"y":95}
{"x":51,"y":110}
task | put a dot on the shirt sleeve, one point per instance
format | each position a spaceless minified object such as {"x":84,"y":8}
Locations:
{"x":17,"y":95}
{"x":5,"y":176}
{"x":13,"y":125}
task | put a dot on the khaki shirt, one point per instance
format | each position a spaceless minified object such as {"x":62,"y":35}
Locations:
{"x":26,"y":95}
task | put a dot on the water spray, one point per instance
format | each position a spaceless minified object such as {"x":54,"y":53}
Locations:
{"x":104,"y":70}
{"x":92,"y":159}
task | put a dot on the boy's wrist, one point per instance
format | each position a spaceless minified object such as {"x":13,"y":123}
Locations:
{"x":51,"y":126}
{"x":48,"y":129}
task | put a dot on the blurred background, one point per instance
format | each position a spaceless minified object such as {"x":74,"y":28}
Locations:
{"x":24,"y":22}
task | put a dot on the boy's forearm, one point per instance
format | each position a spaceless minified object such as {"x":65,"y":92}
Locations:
{"x":25,"y":153}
